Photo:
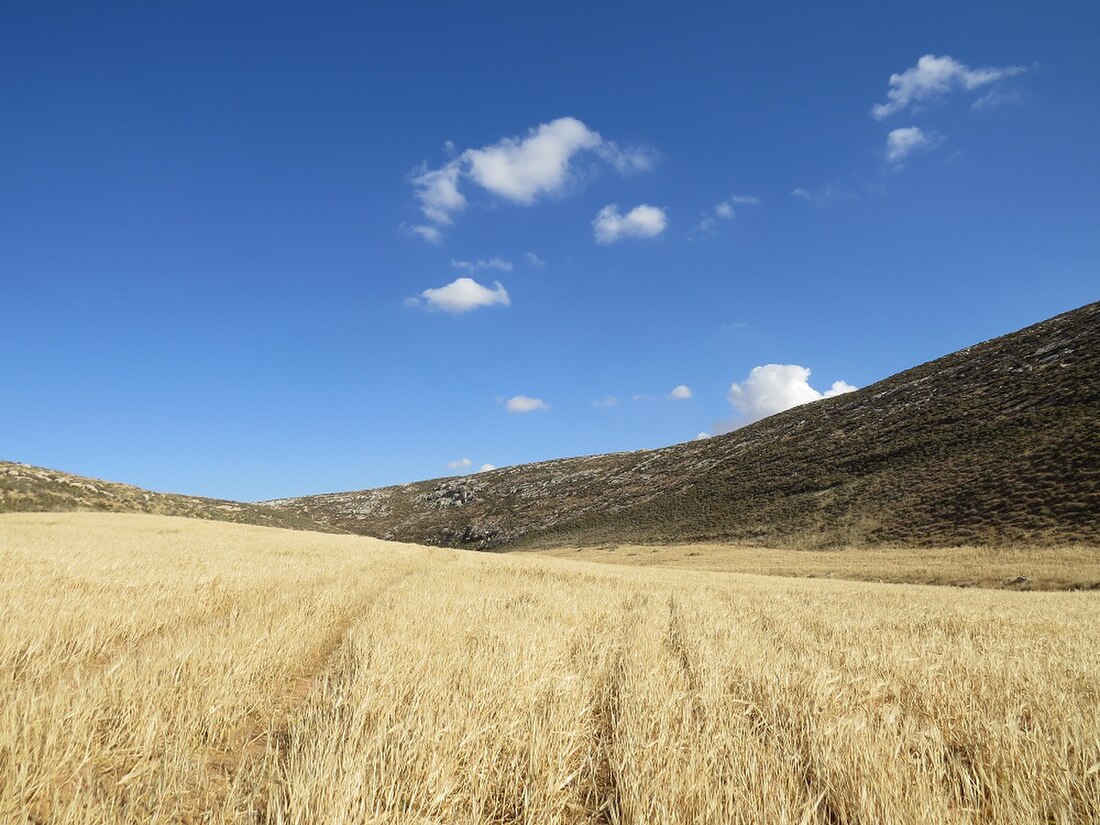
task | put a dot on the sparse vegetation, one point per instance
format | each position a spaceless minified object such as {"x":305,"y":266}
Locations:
{"x":27,"y":489}
{"x":168,"y":670}
{"x":995,"y":445}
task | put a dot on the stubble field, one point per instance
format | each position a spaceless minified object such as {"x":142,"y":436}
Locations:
{"x":157,"y":669}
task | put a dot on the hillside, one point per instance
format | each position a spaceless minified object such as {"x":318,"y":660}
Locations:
{"x":997,"y":443}
{"x":24,"y":488}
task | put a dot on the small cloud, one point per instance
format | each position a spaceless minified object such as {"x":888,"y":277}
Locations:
{"x":643,"y":221}
{"x":725,"y":211}
{"x":996,"y":98}
{"x":707,"y":224}
{"x":524,"y":404}
{"x":606,"y":401}
{"x":934,"y":77}
{"x":641,"y":396}
{"x":773,"y":388}
{"x":459,"y":464}
{"x":484,"y":468}
{"x":427,"y":232}
{"x":732,"y":325}
{"x":839,"y":388}
{"x":680,"y":393}
{"x":901,"y":143}
{"x":437,"y":191}
{"x":481,"y":263}
{"x":701,"y":436}
{"x":461,"y":295}
{"x":822,"y":195}
{"x":627,"y":160}
{"x":533,"y":259}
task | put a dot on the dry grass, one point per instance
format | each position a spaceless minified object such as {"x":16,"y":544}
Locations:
{"x":1019,"y":568}
{"x":163,"y":670}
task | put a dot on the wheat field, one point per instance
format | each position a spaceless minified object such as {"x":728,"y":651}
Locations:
{"x":157,"y":669}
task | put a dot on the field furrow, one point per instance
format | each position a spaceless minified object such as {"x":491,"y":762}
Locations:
{"x":239,"y":674}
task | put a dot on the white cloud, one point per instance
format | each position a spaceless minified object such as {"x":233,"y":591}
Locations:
{"x":822,"y":195}
{"x":641,"y":396}
{"x":521,"y":169}
{"x":934,"y":77}
{"x":437,"y":191}
{"x":773,"y":388}
{"x":707,"y":224}
{"x":606,"y":401}
{"x":481,"y":263}
{"x":459,"y":464}
{"x":901,"y":143}
{"x":996,"y":98}
{"x":429,"y":233}
{"x":484,"y":468}
{"x":533,"y":259}
{"x":524,"y":404}
{"x":642,"y":221}
{"x":680,"y":393}
{"x":701,"y":436}
{"x":626,"y":160}
{"x":461,"y":295}
{"x":839,"y":388}
{"x":725,"y":210}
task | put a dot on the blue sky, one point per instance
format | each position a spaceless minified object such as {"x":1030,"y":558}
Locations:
{"x":232,"y":239}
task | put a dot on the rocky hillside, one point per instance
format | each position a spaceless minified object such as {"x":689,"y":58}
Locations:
{"x":997,"y":443}
{"x":24,"y":488}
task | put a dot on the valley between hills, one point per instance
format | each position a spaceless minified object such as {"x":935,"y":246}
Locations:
{"x":734,"y":630}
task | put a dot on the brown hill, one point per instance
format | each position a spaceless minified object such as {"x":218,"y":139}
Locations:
{"x":24,"y":488}
{"x":996,"y":443}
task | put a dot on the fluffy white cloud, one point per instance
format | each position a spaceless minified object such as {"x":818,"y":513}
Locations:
{"x":461,"y":295}
{"x":701,"y":436}
{"x":437,"y":191}
{"x":932,"y":78}
{"x":901,"y":143}
{"x":773,"y":388}
{"x":524,"y":404}
{"x":486,"y":467}
{"x":642,"y":221}
{"x":481,"y":263}
{"x":680,"y":393}
{"x":521,"y":169}
{"x":459,"y":464}
{"x":839,"y":388}
{"x":533,"y":259}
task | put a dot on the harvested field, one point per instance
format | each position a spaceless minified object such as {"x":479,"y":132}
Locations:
{"x":158,"y":669}
{"x":1019,"y":568}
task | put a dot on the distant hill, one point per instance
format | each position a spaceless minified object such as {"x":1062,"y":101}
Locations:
{"x":997,"y":443}
{"x":24,"y":488}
